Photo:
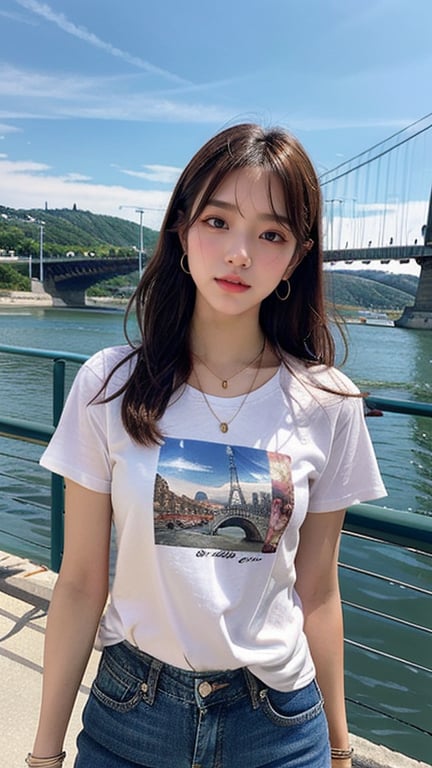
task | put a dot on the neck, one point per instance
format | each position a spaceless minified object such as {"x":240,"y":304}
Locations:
{"x":227,"y":343}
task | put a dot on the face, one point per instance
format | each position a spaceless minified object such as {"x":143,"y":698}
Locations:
{"x":238,"y":251}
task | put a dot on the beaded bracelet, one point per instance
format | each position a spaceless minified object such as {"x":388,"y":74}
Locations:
{"x":341,"y":754}
{"x":56,"y":761}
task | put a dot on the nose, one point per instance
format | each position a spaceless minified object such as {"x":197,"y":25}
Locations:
{"x":238,"y":256}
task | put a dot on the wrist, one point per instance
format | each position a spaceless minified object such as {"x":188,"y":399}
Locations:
{"x":54,"y":761}
{"x":342,"y":758}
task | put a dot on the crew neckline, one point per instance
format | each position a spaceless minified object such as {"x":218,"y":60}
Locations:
{"x":271,"y":385}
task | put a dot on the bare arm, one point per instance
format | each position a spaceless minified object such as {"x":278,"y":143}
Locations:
{"x":318,"y":587}
{"x":77,"y":603}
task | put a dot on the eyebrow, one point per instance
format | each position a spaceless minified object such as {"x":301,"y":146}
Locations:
{"x":264,"y":216}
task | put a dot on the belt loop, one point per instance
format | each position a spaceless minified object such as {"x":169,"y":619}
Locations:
{"x":149,"y":688}
{"x":252,"y":683}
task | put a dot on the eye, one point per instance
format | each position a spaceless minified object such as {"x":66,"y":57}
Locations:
{"x":216,"y":222}
{"x":273,"y":237}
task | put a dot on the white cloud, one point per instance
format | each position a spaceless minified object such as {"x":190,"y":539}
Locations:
{"x":17,"y":17}
{"x":164,"y":174}
{"x":6,"y":129}
{"x":47,"y":13}
{"x":76,"y":177}
{"x":28,"y":184}
{"x":11,"y":168}
{"x":375,"y":224}
{"x":182,"y":464}
{"x":59,"y":95}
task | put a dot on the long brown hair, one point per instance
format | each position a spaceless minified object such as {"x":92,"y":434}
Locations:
{"x":165,"y":297}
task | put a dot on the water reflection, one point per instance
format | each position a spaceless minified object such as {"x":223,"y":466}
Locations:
{"x":397,"y":363}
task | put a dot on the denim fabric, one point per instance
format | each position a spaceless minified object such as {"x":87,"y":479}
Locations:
{"x":143,"y":712}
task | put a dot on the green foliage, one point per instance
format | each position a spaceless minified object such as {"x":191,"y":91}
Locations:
{"x":406,"y":283}
{"x":70,"y":230}
{"x":12,"y":280}
{"x":121,"y":286}
{"x":352,"y":289}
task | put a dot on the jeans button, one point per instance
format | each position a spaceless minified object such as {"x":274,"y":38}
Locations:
{"x":144,"y":687}
{"x":205,"y":689}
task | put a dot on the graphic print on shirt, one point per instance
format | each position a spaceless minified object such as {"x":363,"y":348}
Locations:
{"x":224,"y":497}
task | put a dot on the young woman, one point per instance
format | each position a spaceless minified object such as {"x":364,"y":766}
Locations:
{"x":225,"y":447}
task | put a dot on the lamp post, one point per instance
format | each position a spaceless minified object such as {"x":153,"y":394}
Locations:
{"x":141,"y":212}
{"x":41,"y":244}
{"x":141,"y":235}
{"x":141,"y":240}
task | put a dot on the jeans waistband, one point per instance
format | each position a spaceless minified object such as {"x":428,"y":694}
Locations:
{"x":203,"y":689}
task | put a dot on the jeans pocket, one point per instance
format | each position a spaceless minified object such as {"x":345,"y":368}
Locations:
{"x":292,"y":708}
{"x":116,"y":688}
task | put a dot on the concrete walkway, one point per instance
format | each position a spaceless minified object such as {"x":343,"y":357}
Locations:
{"x":25,"y":591}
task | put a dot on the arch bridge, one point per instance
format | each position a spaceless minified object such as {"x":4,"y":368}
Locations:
{"x":67,"y":279}
{"x":254,"y":526}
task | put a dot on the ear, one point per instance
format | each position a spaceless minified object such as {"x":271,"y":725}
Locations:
{"x":182,"y":230}
{"x":299,"y":255}
{"x":182,"y":233}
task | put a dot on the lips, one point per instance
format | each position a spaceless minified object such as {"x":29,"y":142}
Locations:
{"x":232,"y":283}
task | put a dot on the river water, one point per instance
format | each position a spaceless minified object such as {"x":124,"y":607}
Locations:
{"x":385,"y":361}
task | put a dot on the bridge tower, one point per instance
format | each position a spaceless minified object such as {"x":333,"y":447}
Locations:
{"x":236,"y":497}
{"x":420,"y":314}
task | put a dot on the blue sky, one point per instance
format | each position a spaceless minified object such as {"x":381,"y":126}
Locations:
{"x":102,"y":102}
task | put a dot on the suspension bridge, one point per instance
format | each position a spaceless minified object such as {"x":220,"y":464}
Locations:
{"x":377,"y":208}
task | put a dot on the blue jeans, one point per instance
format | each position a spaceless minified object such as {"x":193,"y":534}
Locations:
{"x":142,"y":712}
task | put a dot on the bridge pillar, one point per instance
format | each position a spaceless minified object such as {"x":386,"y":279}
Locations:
{"x":420,"y":315}
{"x":65,"y":297}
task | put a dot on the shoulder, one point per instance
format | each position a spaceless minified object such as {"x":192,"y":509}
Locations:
{"x":321,"y":376}
{"x":319,"y":386}
{"x":112,"y":363}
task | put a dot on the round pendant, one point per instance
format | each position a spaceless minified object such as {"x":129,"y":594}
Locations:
{"x":224,"y":384}
{"x":223,"y":426}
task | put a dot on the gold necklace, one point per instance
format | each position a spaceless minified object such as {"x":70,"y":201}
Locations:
{"x":223,"y":425}
{"x":224,"y":382}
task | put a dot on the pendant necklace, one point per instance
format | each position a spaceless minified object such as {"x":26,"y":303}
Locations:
{"x":224,"y":382}
{"x":223,"y":425}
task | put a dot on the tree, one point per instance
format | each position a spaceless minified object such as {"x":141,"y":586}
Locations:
{"x":12,"y":280}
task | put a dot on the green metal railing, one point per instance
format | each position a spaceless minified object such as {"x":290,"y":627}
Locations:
{"x":386,"y":614}
{"x":407,"y":528}
{"x":37,"y":432}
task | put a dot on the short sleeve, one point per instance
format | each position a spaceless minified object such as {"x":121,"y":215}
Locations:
{"x":350,"y":474}
{"x":79,"y":447}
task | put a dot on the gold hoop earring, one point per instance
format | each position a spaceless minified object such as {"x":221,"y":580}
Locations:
{"x":288,"y":287}
{"x":182,"y":266}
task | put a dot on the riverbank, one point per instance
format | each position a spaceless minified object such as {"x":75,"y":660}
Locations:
{"x":13,"y":299}
{"x":25,"y":593}
{"x":25,"y":299}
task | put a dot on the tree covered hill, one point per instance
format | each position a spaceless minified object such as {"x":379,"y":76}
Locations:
{"x":406,"y":283}
{"x":68,"y":229}
{"x":371,"y":289}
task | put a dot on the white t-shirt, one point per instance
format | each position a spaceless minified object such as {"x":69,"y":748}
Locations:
{"x":207,"y":524}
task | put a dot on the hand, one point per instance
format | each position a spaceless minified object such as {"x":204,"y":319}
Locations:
{"x":345,"y":763}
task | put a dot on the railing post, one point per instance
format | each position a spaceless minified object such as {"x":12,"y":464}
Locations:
{"x":57,"y":484}
{"x":57,"y":510}
{"x":58,"y":389}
